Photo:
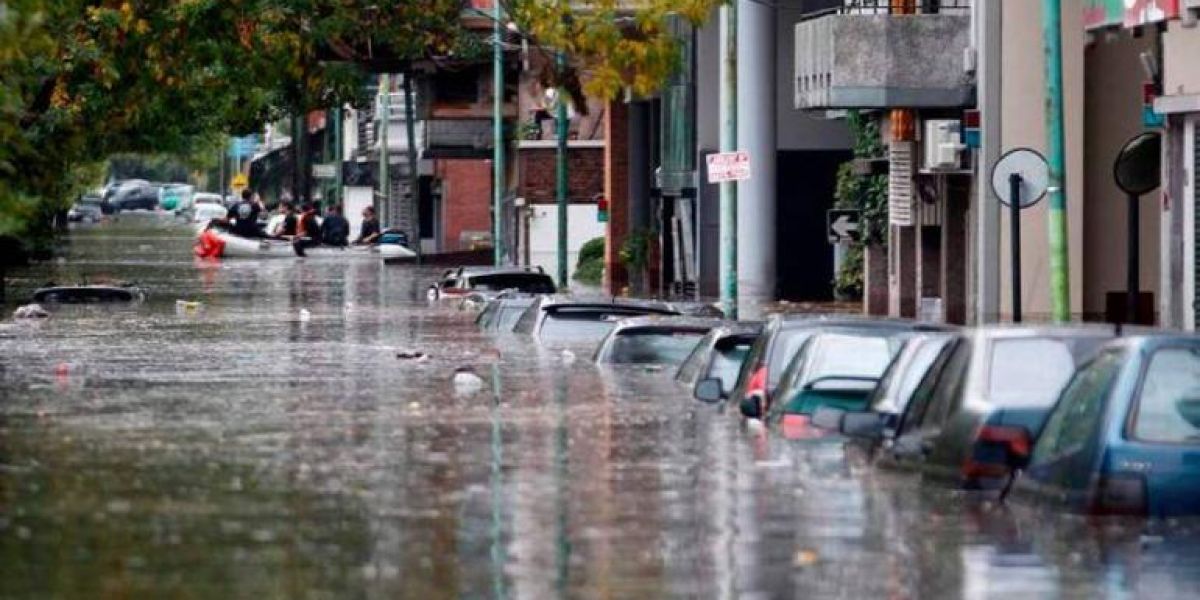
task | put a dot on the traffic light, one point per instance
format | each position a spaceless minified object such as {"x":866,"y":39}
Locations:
{"x":602,"y":209}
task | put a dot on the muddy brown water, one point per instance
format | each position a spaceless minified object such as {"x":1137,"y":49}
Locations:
{"x":239,"y":449}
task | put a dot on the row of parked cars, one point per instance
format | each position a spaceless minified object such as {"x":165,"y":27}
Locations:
{"x":1089,"y":417}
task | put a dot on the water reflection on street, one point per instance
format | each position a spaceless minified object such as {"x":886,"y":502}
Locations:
{"x":242,"y":448}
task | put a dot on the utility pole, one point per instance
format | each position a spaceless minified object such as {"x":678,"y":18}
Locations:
{"x":410,"y":125}
{"x":1060,"y":290}
{"x":561,"y":126}
{"x":498,"y":184}
{"x":385,"y":118}
{"x":987,"y":31}
{"x":728,"y":142}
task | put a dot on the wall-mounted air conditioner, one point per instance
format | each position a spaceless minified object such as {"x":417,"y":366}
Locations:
{"x":943,"y":145}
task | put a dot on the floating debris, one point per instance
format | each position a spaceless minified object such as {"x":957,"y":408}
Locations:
{"x":31,"y":311}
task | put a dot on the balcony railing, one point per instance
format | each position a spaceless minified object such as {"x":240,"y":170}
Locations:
{"x":896,"y":7}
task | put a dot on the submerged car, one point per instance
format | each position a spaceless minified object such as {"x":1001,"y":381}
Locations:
{"x":837,"y":368}
{"x":88,"y":209}
{"x":458,"y":283}
{"x":891,"y":395}
{"x":500,"y":314}
{"x":1124,"y":437}
{"x":566,"y":320}
{"x":653,"y":340}
{"x":782,"y":338}
{"x":974,"y":417}
{"x":711,"y":370}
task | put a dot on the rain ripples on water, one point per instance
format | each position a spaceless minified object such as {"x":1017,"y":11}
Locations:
{"x":228,"y":446}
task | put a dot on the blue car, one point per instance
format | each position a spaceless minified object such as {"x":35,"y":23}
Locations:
{"x":1124,"y":436}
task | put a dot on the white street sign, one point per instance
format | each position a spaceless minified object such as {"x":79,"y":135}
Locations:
{"x":728,"y":166}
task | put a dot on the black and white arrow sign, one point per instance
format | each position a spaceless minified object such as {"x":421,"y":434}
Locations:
{"x":842,"y":225}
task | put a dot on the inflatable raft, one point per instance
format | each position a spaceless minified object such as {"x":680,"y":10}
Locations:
{"x":215,"y":243}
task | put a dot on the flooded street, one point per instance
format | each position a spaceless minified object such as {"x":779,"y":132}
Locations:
{"x":268,"y":442}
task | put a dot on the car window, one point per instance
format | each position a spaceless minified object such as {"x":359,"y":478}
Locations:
{"x":851,"y":356}
{"x":689,"y":371}
{"x":727,"y":363}
{"x":905,"y":373}
{"x":526,"y":282}
{"x":528,"y":319}
{"x":938,"y":400}
{"x":1079,"y":408}
{"x":653,"y":347}
{"x":507,"y":317}
{"x":1169,"y":403}
{"x":757,"y":351}
{"x":575,"y":326}
{"x":785,"y":347}
{"x":1028,"y":372}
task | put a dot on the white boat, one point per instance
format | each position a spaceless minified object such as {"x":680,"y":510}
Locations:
{"x":236,"y":246}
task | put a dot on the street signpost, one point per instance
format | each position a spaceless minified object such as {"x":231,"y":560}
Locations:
{"x":240,"y":182}
{"x":1137,"y":171}
{"x":843,"y":225}
{"x":728,"y":166}
{"x":1020,"y":179}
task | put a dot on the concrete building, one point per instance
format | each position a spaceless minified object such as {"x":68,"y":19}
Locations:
{"x":782,"y":247}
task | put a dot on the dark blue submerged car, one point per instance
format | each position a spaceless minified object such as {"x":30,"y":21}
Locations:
{"x":1124,"y":437}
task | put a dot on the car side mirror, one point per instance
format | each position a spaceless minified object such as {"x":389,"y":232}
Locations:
{"x":828,"y":417}
{"x":751,"y":407}
{"x":863,"y":425}
{"x":709,"y":390}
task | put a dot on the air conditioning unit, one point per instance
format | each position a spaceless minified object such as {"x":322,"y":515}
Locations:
{"x":943,"y":145}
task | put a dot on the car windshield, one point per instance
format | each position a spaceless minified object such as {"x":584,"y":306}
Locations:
{"x":1169,"y":407}
{"x":508,"y":317}
{"x":787,"y":344}
{"x":657,"y":346}
{"x":904,"y":374}
{"x":533,"y":283}
{"x":576,"y":326}
{"x":1029,"y":372}
{"x":849,"y":356}
{"x":727,"y":362}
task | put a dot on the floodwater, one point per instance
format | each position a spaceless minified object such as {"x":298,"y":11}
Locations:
{"x":238,"y":448}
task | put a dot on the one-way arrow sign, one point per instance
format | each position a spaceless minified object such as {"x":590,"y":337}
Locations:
{"x":842,"y":225}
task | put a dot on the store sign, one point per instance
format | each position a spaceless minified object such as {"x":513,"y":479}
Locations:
{"x":1098,"y":14}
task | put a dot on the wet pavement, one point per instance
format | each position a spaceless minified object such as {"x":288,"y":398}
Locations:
{"x":245,"y":448}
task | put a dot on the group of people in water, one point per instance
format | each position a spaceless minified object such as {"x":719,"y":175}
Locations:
{"x":304,"y":229}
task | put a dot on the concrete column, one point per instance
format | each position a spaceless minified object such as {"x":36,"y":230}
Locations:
{"x":756,"y":135}
{"x":955,"y":225}
{"x":875,"y":281}
{"x":616,"y":190}
{"x":902,"y":272}
{"x":987,"y":34}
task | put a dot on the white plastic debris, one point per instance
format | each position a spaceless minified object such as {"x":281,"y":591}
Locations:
{"x":31,"y":311}
{"x":466,"y":382}
{"x":305,"y":316}
{"x":568,"y":357}
{"x":188,"y":307}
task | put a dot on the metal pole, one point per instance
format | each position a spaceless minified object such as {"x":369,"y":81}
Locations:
{"x":562,"y":127}
{"x":1132,"y":273}
{"x":728,"y":142}
{"x":498,"y":184}
{"x":1014,"y":224}
{"x":410,"y":126}
{"x":1060,"y":283}
{"x":337,"y":155}
{"x":385,"y":121}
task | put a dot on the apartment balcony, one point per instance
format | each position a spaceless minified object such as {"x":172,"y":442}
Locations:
{"x":884,"y":54}
{"x":458,"y":138}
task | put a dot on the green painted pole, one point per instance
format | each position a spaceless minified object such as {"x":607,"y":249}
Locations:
{"x":385,"y":118}
{"x":1060,"y":283}
{"x":561,"y":127}
{"x":498,"y":184}
{"x":729,"y":132}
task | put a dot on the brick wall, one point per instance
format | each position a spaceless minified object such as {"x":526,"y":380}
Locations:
{"x":466,"y":198}
{"x":585,"y":174}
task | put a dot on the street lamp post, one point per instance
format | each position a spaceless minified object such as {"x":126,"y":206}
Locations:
{"x":561,"y":125}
